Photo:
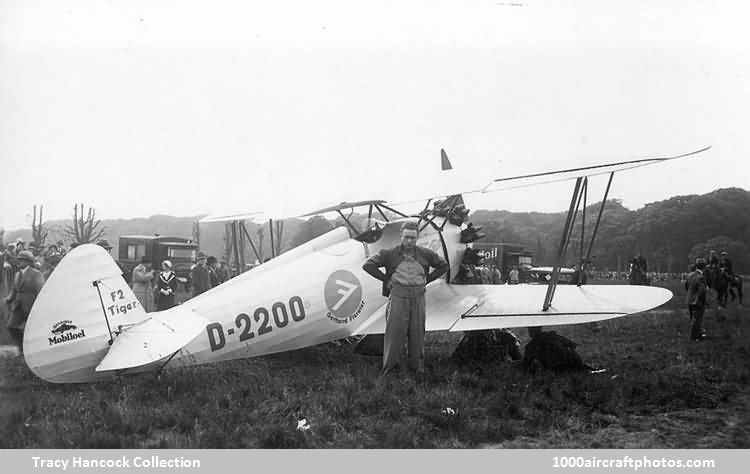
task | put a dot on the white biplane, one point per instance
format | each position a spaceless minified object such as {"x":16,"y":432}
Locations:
{"x":87,"y":325}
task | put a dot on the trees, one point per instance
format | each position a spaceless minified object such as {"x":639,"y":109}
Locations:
{"x":39,"y":231}
{"x":314,"y":227}
{"x":737,"y":251}
{"x":84,"y":230}
{"x":666,"y":232}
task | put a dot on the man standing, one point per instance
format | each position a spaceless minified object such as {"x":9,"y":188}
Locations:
{"x":199,"y":276}
{"x":213,"y":275}
{"x":406,"y":275}
{"x":497,"y":277}
{"x":142,"y":277}
{"x":726,"y":264}
{"x":642,"y":264}
{"x":713,"y":259}
{"x":19,"y":246}
{"x":26,"y":286}
{"x":696,"y":299}
{"x":513,"y":276}
{"x":579,"y":275}
{"x":222,"y":271}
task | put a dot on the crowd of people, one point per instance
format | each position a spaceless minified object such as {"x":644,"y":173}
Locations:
{"x":45,"y":258}
{"x":156,"y":291}
{"x":698,"y":281}
{"x":26,"y":267}
{"x":487,"y":274}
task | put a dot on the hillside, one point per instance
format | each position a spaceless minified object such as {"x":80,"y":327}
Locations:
{"x":668,"y":233}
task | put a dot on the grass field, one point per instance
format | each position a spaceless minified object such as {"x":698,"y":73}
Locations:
{"x":659,"y":391}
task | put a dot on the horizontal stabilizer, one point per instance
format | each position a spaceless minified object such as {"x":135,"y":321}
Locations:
{"x":154,"y":339}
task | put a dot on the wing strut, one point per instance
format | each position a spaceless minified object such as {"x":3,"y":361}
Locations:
{"x":381,"y":213}
{"x":349,"y":223}
{"x":238,"y":259}
{"x":563,"y":245}
{"x":270,"y":228}
{"x":598,"y":219}
{"x":252,"y":244}
{"x":580,"y":192}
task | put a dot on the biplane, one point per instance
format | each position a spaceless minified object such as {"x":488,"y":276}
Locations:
{"x":87,"y":325}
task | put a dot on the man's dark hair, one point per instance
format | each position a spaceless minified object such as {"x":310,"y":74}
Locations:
{"x":410,"y":225}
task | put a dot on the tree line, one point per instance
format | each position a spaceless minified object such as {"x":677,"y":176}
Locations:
{"x":669,"y":233}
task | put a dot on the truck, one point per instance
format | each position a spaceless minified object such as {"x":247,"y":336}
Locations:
{"x":156,"y":248}
{"x":505,"y":255}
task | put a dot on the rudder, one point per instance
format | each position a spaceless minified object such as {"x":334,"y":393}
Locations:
{"x":75,"y":316}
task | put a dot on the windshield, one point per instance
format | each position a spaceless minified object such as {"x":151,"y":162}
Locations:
{"x":182,"y":254}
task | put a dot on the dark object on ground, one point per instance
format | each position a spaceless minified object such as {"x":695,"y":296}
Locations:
{"x":487,"y":346}
{"x":550,"y":350}
{"x":371,"y":345}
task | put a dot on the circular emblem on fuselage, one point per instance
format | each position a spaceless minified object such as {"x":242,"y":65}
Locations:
{"x":343,"y":295}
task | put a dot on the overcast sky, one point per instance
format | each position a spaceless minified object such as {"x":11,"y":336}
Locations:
{"x":179,"y":107}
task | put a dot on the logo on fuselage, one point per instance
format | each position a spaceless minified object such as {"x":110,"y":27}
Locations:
{"x":343,"y":296}
{"x":62,"y":326}
{"x":59,"y":330}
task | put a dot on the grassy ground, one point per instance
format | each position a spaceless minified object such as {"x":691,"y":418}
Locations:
{"x":660,"y":391}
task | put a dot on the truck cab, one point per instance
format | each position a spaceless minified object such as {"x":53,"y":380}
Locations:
{"x":178,"y":250}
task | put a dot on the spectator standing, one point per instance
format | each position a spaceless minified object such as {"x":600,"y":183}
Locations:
{"x":142,"y":278}
{"x":726,"y":264}
{"x":26,"y":286}
{"x":166,"y":287}
{"x":696,"y":299}
{"x":579,"y":275}
{"x":513,"y":276}
{"x":223,"y":271}
{"x":199,"y":276}
{"x":213,"y":276}
{"x":713,"y":259}
{"x":497,"y":277}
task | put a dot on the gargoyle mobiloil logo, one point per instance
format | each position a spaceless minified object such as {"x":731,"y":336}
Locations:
{"x":343,"y":295}
{"x":62,"y":332}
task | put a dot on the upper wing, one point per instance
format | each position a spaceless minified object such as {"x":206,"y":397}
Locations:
{"x":229,"y":217}
{"x":448,"y":186}
{"x":344,"y":205}
{"x":511,"y":182}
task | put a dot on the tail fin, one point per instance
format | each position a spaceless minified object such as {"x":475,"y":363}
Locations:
{"x":445,"y":163}
{"x":76,"y":315}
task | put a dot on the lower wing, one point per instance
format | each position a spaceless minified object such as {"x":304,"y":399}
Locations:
{"x":475,"y":307}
